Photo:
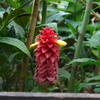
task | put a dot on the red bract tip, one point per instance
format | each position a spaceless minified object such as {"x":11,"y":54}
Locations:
{"x":47,"y":53}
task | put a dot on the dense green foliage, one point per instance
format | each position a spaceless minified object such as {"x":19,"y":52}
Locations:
{"x":65,"y":16}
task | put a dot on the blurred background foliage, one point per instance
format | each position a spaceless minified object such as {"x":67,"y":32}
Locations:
{"x":65,"y":16}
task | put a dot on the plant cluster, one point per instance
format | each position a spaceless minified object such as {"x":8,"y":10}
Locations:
{"x":20,"y":23}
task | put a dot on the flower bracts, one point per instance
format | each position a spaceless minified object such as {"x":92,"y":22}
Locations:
{"x":47,"y":53}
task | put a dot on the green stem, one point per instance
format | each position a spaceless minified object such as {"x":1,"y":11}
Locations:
{"x":74,"y":14}
{"x":79,"y":45}
{"x":44,"y":11}
{"x":25,"y":60}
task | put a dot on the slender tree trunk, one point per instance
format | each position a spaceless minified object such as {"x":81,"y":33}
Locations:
{"x":25,"y":60}
{"x":79,"y":45}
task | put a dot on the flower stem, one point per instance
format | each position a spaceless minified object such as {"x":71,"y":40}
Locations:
{"x":25,"y":60}
{"x":44,"y":11}
{"x":79,"y":45}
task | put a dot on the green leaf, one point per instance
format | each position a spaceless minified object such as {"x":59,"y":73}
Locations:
{"x":17,"y":43}
{"x":12,"y":56}
{"x":52,"y":88}
{"x":52,"y":25}
{"x":81,"y":85}
{"x":74,"y":23}
{"x":13,"y":14}
{"x":88,"y":60}
{"x":72,"y":29}
{"x":38,"y":89}
{"x":13,"y":3}
{"x":55,"y":16}
{"x":84,"y":61}
{"x":16,"y":32}
{"x":22,"y":19}
{"x":11,"y":32}
{"x":90,"y":28}
{"x":95,"y":78}
{"x":63,"y":73}
{"x":95,"y":52}
{"x":73,"y":6}
{"x":97,"y":90}
{"x":95,"y":40}
{"x":89,"y":63}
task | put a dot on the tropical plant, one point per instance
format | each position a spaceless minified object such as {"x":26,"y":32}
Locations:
{"x":75,"y":21}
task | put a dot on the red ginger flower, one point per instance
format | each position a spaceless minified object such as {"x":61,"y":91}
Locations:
{"x":47,"y":53}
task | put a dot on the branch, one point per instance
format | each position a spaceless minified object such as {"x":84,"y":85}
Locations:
{"x":92,"y":11}
{"x":25,"y":60}
{"x":58,"y":4}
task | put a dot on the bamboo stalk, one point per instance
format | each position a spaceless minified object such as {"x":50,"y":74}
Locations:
{"x":79,"y":46}
{"x":44,"y":11}
{"x":25,"y":60}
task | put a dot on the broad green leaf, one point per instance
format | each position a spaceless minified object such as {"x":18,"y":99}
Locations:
{"x":12,"y":56}
{"x":95,"y":78}
{"x":95,"y":52}
{"x":38,"y":89}
{"x":72,"y":29}
{"x":55,"y":16}
{"x":97,"y":90}
{"x":11,"y":32}
{"x":90,"y":28}
{"x":95,"y":40}
{"x":52,"y":88}
{"x":76,"y":9}
{"x":13,"y":3}
{"x":17,"y":43}
{"x":82,"y":85}
{"x":74,"y":23}
{"x":23,"y":1}
{"x":73,"y":6}
{"x":22,"y":19}
{"x":17,"y":31}
{"x":52,"y":25}
{"x":13,"y":14}
{"x":89,"y":63}
{"x":63,"y":73}
{"x":83,"y":60}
